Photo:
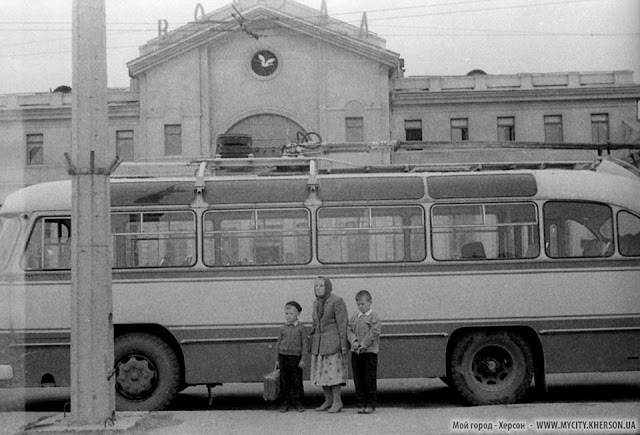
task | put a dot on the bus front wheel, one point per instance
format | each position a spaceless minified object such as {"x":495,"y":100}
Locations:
{"x":147,"y":372}
{"x":491,"y":367}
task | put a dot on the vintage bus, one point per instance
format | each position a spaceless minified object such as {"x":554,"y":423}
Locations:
{"x":487,"y":277}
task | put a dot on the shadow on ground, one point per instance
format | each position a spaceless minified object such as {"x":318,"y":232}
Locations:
{"x":398,"y":393}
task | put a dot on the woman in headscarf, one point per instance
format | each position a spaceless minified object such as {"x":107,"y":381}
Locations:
{"x":329,"y":345}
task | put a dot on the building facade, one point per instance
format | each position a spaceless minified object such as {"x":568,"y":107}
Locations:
{"x":276,"y":70}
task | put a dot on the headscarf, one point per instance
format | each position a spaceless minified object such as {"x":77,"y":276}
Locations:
{"x":320,"y":299}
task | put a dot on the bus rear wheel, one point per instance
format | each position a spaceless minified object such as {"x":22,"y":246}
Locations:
{"x":491,"y":367}
{"x":147,"y":372}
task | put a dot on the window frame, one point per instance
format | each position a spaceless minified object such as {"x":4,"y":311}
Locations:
{"x":462,"y":125}
{"x":553,"y":127}
{"x":142,"y":235}
{"x":125,"y":143}
{"x":597,"y":126}
{"x":406,"y":231}
{"x":606,"y":250}
{"x":413,"y":133}
{"x":307,"y":232}
{"x":354,"y":133}
{"x":32,"y":145}
{"x":173,"y":139}
{"x":484,"y":227}
{"x":63,"y":220}
{"x":619,"y":235}
{"x":506,"y":125}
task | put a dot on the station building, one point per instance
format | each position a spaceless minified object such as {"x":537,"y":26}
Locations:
{"x":277,"y":70}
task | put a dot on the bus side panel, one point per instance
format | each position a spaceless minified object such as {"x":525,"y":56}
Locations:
{"x":249,"y":362}
{"x":229,"y":362}
{"x":37,"y":341}
{"x":12,"y":362}
{"x":592,"y":351}
{"x":35,"y":360}
{"x":412,"y":357}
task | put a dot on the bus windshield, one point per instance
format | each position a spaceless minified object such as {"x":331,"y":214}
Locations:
{"x":9,"y":230}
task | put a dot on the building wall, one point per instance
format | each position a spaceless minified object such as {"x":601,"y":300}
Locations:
{"x":49,"y":114}
{"x":529,"y":119}
{"x":211,"y":88}
{"x":575,"y":100}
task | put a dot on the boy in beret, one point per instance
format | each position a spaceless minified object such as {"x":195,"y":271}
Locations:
{"x":292,"y":344}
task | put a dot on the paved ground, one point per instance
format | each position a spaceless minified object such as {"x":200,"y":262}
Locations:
{"x":406,"y":406}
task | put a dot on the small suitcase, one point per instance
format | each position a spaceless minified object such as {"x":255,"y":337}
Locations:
{"x":271,"y":386}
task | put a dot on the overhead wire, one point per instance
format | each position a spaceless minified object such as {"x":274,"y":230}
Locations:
{"x":446,"y":32}
{"x":316,"y":16}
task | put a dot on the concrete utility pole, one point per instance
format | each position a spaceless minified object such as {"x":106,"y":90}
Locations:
{"x":90,"y":163}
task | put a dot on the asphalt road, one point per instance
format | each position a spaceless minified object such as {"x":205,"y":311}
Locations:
{"x":405,"y":406}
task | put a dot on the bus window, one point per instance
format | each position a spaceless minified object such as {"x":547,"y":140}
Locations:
{"x":257,"y":237}
{"x":578,"y":229}
{"x":485,"y":231}
{"x":370,"y":234}
{"x":153,"y":239}
{"x":49,"y":247}
{"x":628,"y":234}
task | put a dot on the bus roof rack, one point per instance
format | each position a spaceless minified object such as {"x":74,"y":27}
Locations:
{"x":265,"y":166}
{"x":301,"y":164}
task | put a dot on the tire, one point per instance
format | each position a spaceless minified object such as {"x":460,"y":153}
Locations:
{"x":147,"y":373}
{"x":491,"y":367}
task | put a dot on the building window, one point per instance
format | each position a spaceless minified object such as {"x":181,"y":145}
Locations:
{"x":124,"y":144}
{"x":553,"y":128}
{"x":35,"y":149}
{"x":506,"y":129}
{"x":459,"y":129}
{"x":600,"y":128}
{"x":413,"y":130}
{"x":173,"y":140}
{"x":355,"y":129}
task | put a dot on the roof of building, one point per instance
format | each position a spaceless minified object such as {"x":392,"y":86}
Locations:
{"x":252,"y":17}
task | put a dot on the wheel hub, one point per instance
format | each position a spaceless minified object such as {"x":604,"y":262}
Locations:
{"x":136,"y":377}
{"x":492,"y":366}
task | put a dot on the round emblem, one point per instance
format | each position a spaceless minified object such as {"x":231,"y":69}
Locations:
{"x":264,"y":63}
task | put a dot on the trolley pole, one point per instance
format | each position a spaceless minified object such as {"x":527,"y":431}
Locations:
{"x":90,"y":164}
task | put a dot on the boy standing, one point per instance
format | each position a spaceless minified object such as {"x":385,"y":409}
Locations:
{"x":364,"y":335}
{"x":292,"y":344}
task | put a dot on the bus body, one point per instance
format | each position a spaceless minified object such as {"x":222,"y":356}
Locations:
{"x":487,"y":279}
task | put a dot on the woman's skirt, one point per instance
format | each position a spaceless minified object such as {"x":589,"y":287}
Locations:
{"x":329,"y":370}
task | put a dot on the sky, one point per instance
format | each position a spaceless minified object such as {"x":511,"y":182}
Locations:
{"x":435,"y":37}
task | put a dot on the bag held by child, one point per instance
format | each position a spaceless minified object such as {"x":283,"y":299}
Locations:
{"x":271,"y":386}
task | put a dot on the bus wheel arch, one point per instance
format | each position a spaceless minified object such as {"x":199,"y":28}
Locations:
{"x":149,"y":369}
{"x":494,"y":365}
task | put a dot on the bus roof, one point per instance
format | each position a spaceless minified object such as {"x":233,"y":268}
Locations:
{"x":240,"y":189}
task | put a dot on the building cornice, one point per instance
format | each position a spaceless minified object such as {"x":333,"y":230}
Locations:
{"x":54,"y":106}
{"x":25,"y":114}
{"x":521,"y":95}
